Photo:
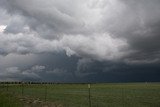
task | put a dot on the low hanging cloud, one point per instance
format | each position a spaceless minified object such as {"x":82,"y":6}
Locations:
{"x":26,"y":43}
{"x":57,"y":71}
{"x":98,"y":47}
{"x":38,"y":68}
{"x":16,"y":73}
{"x":2,"y":28}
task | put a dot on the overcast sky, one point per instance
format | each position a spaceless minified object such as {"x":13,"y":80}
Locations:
{"x":80,"y":40}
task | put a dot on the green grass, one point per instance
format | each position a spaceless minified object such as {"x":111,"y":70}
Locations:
{"x":8,"y":100}
{"x":102,"y":95}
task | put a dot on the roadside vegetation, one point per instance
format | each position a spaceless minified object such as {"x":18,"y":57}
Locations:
{"x":77,"y":95}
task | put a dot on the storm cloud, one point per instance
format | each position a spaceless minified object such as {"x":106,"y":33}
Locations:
{"x":89,"y":39}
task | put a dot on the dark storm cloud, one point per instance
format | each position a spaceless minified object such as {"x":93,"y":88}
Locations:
{"x":16,"y":74}
{"x":76,"y":40}
{"x":41,"y":67}
{"x":139,"y":22}
{"x":67,"y":29}
{"x":55,"y":15}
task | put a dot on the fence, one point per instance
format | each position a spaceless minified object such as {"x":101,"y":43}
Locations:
{"x":79,"y":95}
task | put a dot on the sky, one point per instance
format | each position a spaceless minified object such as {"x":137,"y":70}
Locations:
{"x":80,"y":40}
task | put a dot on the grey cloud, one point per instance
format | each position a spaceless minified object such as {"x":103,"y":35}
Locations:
{"x":60,"y":19}
{"x":110,"y":47}
{"x":15,"y":74}
{"x":130,"y":16}
{"x":83,"y":67}
{"x":87,"y":67}
{"x":4,"y":17}
{"x":52,"y":14}
{"x":38,"y":68}
{"x":138,"y":22}
{"x":13,"y":70}
{"x":57,"y":71}
{"x":26,"y":43}
{"x":102,"y":35}
{"x":98,"y":46}
{"x":16,"y":25}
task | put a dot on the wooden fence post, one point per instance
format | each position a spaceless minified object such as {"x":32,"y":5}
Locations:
{"x":22,"y":88}
{"x":45,"y":93}
{"x":89,"y":94}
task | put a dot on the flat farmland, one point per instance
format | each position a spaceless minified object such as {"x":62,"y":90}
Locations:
{"x":77,"y":95}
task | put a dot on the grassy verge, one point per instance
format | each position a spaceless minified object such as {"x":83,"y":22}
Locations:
{"x":8,"y":100}
{"x":76,"y":95}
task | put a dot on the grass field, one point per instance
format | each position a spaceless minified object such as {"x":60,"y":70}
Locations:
{"x":77,"y":95}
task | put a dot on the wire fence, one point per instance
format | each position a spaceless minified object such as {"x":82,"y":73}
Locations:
{"x":32,"y":94}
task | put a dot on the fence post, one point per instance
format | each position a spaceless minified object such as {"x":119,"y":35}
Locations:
{"x":7,"y":86}
{"x":22,"y":88}
{"x":89,"y":94}
{"x":123,"y":97}
{"x":3,"y":85}
{"x":45,"y":97}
